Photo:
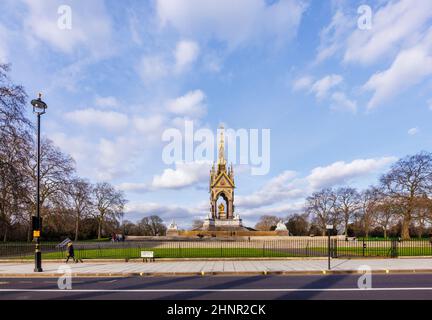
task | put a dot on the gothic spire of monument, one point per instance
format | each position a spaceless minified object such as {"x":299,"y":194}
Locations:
{"x":221,"y":155}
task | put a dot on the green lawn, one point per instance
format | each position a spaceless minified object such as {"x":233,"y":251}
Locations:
{"x":131,"y":253}
{"x":380,"y":252}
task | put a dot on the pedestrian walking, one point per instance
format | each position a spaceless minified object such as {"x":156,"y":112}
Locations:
{"x":71,"y":253}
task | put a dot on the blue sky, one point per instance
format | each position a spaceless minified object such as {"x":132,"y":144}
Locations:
{"x":342,"y":103}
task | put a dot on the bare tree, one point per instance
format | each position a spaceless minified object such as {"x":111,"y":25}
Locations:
{"x":266,"y":222}
{"x":79,"y":192}
{"x":12,"y":106}
{"x":152,"y":226}
{"x":346,"y":205}
{"x":408,"y":179}
{"x":321,"y":206}
{"x":129,"y":228}
{"x":366,"y":214}
{"x":386,"y":210}
{"x":18,"y":175}
{"x":298,"y":224}
{"x":109,"y":203}
{"x":13,"y":182}
{"x":422,"y":214}
{"x":14,"y":141}
{"x":56,"y":172}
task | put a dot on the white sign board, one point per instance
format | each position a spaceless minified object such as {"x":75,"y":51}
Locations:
{"x":329,"y":226}
{"x":147,"y":254}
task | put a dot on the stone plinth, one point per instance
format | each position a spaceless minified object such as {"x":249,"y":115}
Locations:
{"x":222,"y":224}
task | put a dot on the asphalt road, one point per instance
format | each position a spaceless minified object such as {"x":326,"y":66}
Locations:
{"x":391,"y":286}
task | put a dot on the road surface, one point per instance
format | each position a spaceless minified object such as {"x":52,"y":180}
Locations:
{"x":391,"y":286}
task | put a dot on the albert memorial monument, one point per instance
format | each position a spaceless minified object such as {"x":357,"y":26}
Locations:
{"x":221,"y":216}
{"x":222,"y":219}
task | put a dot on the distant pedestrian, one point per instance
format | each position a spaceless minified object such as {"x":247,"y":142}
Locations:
{"x":71,"y":253}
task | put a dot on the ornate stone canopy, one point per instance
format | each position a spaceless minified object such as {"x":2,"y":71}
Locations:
{"x":222,"y":185}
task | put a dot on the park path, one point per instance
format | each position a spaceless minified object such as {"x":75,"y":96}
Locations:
{"x":220,"y":267}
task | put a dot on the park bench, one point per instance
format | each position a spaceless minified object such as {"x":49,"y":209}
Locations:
{"x":147,"y":256}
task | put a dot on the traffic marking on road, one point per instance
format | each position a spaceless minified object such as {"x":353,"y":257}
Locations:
{"x":221,"y":290}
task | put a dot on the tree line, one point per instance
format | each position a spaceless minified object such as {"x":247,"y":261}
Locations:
{"x":70,"y":205}
{"x":399,"y":205}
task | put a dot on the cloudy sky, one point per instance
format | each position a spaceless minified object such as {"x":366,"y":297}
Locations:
{"x":342,"y":101}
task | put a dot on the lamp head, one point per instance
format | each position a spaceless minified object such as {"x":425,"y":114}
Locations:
{"x":39,"y":106}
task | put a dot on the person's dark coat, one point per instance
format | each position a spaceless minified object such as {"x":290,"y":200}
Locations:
{"x":71,"y":252}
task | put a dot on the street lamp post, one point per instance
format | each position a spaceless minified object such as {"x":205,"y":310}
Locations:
{"x":329,"y":228}
{"x":39,"y":108}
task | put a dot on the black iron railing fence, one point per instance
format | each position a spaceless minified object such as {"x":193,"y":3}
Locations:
{"x":301,"y":247}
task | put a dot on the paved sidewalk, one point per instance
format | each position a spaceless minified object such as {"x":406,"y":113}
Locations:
{"x":304,"y":266}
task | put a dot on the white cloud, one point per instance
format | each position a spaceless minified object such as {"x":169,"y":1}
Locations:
{"x":302,"y":83}
{"x":185,"y":174}
{"x":104,"y":159}
{"x":341,"y":102}
{"x":77,"y":146}
{"x":185,"y":54}
{"x":152,"y":68}
{"x":322,"y":88}
{"x":395,"y":25}
{"x":157,"y":66}
{"x":110,"y":120}
{"x":279,"y":188}
{"x":212,"y":62}
{"x":400,"y":33}
{"x":413,"y":131}
{"x":410,"y":67}
{"x":287,"y":188}
{"x":91,"y":26}
{"x":116,"y":157}
{"x":429,"y":103}
{"x":191,"y":104}
{"x":149,"y":125}
{"x":332,"y":36}
{"x":106,"y":102}
{"x":341,"y":172}
{"x":134,"y":27}
{"x":134,"y":187}
{"x":400,"y":30}
{"x":232,"y":22}
{"x":325,"y":84}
